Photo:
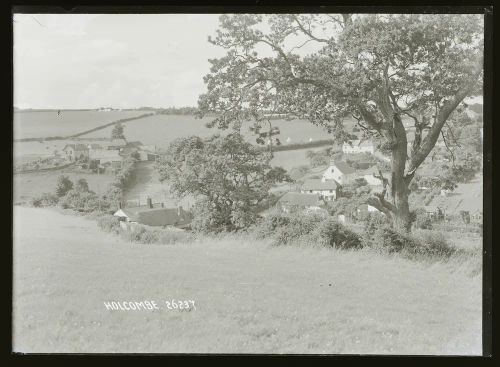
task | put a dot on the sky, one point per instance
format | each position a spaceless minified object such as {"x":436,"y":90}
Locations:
{"x":71,"y":61}
{"x":111,"y":60}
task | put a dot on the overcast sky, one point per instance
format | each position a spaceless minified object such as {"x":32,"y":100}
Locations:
{"x":118,"y":60}
{"x":114,"y":60}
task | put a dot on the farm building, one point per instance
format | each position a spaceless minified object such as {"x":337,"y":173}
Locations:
{"x":328,"y":190}
{"x":105,"y":156}
{"x":358,"y":146}
{"x":340,"y":172}
{"x":369,"y":175}
{"x":76,"y":151}
{"x":155,"y":216}
{"x":299,"y":201}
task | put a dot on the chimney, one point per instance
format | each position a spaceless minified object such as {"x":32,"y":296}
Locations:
{"x":119,"y":205}
{"x":150,"y":202}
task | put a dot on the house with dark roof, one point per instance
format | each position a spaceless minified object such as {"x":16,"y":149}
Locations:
{"x":292,"y":201}
{"x":340,"y":172}
{"x":75,"y":152}
{"x":155,"y":216}
{"x":327,"y":190}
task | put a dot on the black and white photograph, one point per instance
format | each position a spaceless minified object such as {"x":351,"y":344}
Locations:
{"x":249,"y":182}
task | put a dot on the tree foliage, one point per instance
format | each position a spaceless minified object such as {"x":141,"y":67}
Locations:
{"x":376,"y":68}
{"x":64,"y":184}
{"x":228,"y":176}
{"x":118,"y":132}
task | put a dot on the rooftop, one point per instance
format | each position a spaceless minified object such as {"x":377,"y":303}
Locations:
{"x":317,"y":184}
{"x":343,"y":167}
{"x":296,"y":198}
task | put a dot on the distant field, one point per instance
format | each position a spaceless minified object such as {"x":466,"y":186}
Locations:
{"x":30,"y":185}
{"x":41,"y":124}
{"x":293,"y":158}
{"x":249,"y":298}
{"x":160,"y":130}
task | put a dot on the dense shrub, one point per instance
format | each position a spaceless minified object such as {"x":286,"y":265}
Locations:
{"x":64,"y":184}
{"x":389,"y":240}
{"x":300,"y":225}
{"x":83,"y":201}
{"x":333,"y":234}
{"x":45,"y":199}
{"x":431,"y":245}
{"x":109,"y":223}
{"x":434,"y":244}
{"x":268,"y":225}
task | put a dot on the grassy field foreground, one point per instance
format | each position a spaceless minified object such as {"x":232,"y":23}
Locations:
{"x":249,"y":298}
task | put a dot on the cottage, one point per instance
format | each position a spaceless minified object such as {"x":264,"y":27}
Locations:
{"x":340,"y":172}
{"x":75,"y":152}
{"x":358,"y":146}
{"x":327,"y":190}
{"x":299,"y":201}
{"x":156,"y":216}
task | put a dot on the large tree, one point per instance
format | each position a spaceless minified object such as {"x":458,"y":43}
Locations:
{"x":377,"y":68}
{"x":229,"y":178}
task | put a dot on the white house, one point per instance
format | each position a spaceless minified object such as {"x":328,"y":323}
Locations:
{"x":328,"y":190}
{"x":340,"y":172}
{"x":358,"y":146}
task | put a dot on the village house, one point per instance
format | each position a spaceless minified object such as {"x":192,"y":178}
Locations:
{"x":75,"y":152}
{"x":105,"y":156}
{"x":299,"y":201}
{"x":340,"y":172}
{"x":358,"y":146}
{"x":327,"y":190}
{"x":155,"y":215}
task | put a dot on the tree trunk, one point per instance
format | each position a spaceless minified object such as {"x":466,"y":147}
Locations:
{"x":399,"y":185}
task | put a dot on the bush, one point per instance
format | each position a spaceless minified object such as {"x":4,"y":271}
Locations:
{"x":434,"y":244}
{"x":83,"y":201}
{"x":333,"y":234}
{"x":431,"y":245}
{"x":300,"y":225}
{"x":64,"y":184}
{"x":45,"y":199}
{"x":109,"y":223}
{"x":389,"y":240}
{"x":268,"y":225}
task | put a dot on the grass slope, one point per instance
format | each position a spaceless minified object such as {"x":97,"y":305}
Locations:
{"x":249,"y":297}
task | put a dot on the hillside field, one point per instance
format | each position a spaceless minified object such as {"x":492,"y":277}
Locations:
{"x":249,"y":297}
{"x":160,"y":130}
{"x":42,"y":124}
{"x":29,"y":185}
